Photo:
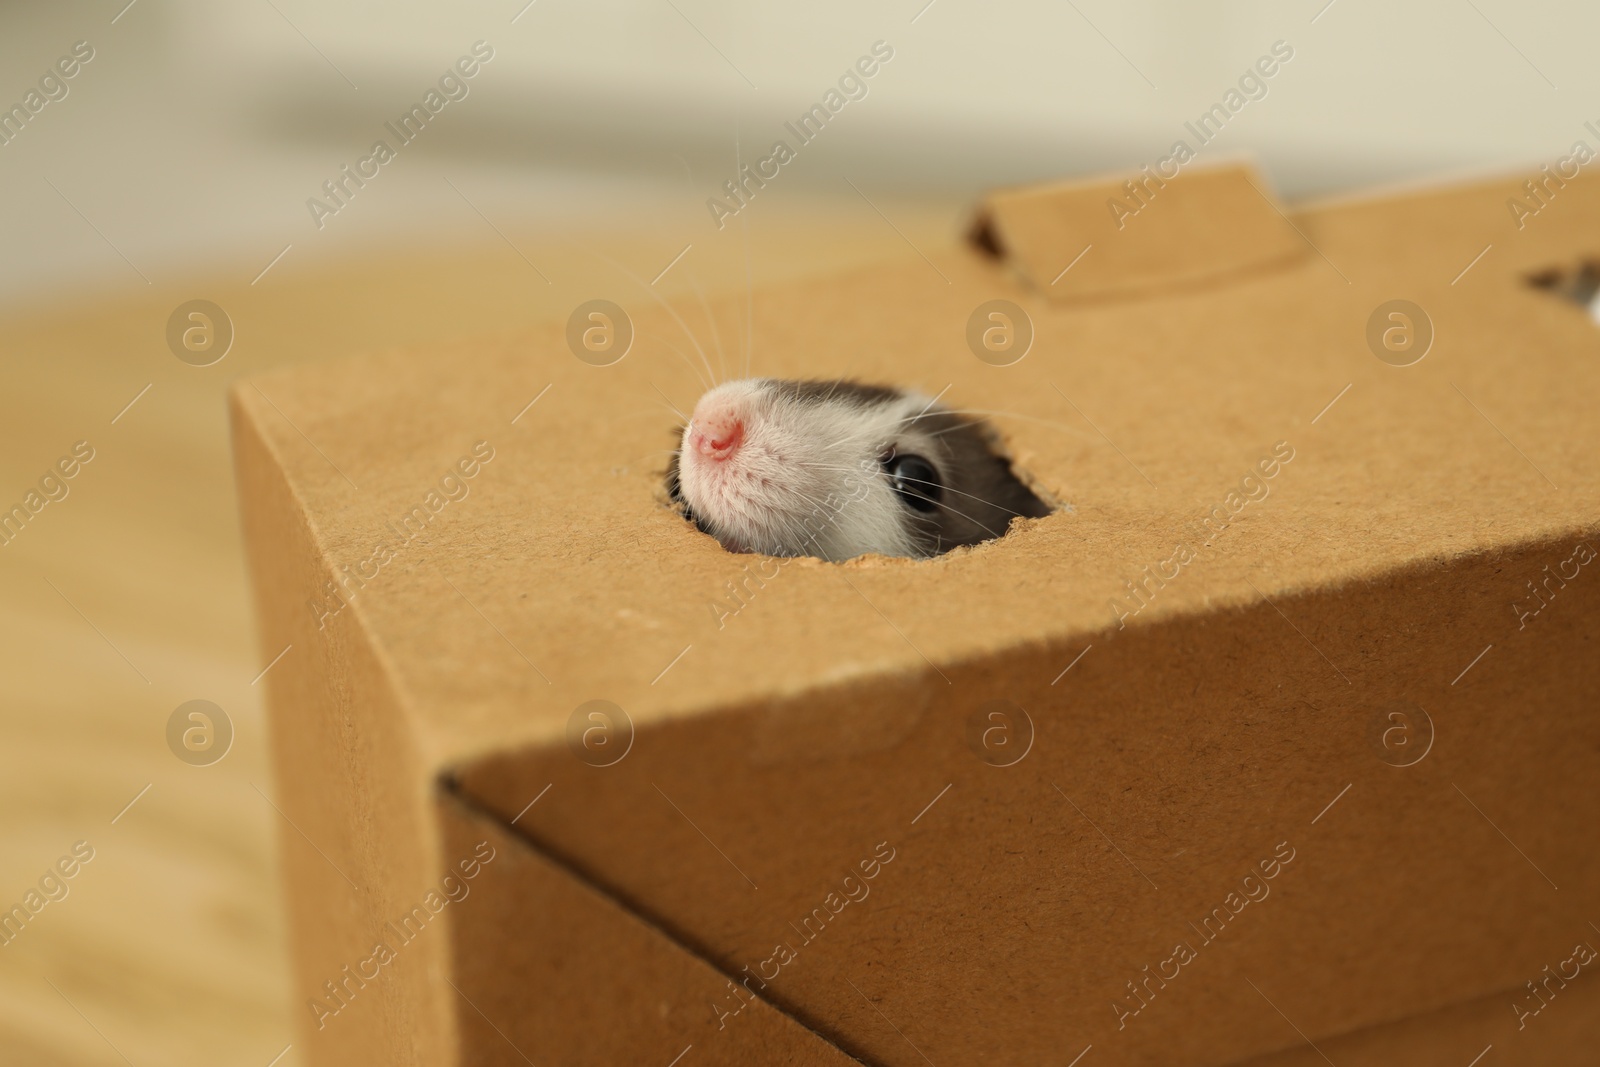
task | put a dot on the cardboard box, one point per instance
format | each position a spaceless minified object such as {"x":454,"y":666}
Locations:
{"x":1282,"y":727}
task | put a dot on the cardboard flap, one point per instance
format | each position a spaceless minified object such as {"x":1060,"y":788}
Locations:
{"x":1137,"y":233}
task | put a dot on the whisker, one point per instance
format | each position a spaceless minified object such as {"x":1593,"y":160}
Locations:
{"x":716,"y":336}
{"x":1006,"y":414}
{"x":969,"y":496}
{"x":939,"y":504}
{"x":964,"y":515}
{"x":671,"y":405}
{"x":930,"y":404}
{"x":749,"y":289}
{"x":829,"y":519}
{"x":706,"y":385}
{"x":658,"y":298}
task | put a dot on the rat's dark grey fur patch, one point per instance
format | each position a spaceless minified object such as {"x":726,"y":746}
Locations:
{"x":981,"y":494}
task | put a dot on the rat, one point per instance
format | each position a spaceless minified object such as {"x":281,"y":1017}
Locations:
{"x":837,"y":469}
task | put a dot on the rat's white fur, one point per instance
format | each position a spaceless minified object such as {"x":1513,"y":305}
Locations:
{"x":807,"y":477}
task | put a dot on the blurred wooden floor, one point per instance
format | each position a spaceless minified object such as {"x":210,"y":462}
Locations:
{"x":129,"y":597}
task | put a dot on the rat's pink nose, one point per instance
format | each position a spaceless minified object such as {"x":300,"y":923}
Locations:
{"x":717,"y":429}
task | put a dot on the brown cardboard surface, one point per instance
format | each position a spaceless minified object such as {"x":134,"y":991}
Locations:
{"x":359,"y":795}
{"x":579,"y":981}
{"x":778,"y":747}
{"x":1059,"y":880}
{"x":1482,"y":1031}
{"x":1146,"y":233}
{"x":401,"y":953}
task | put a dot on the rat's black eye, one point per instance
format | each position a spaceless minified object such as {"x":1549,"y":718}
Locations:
{"x":915,"y":480}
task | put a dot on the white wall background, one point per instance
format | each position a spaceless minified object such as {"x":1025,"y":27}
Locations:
{"x":193,"y":139}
